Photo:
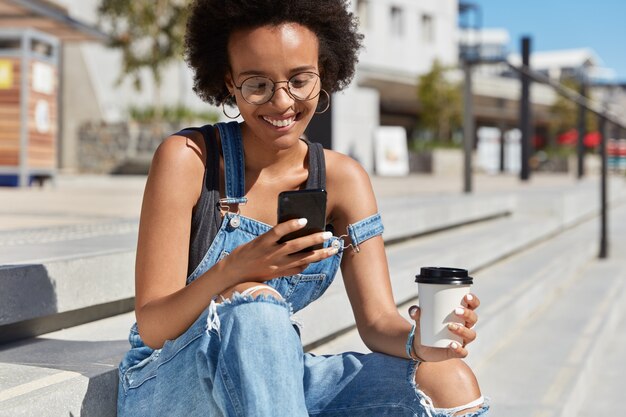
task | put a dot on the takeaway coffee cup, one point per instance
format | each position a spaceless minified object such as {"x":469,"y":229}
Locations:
{"x":441,"y":290}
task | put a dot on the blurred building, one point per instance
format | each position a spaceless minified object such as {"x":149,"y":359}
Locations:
{"x":402,"y":40}
{"x":32,"y":37}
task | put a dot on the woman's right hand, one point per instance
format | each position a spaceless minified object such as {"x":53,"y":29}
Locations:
{"x":263,"y":258}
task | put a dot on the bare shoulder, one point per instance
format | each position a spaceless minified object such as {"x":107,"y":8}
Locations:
{"x":345,"y":172}
{"x":347,"y":184}
{"x":184,"y":150}
{"x":178,"y":163}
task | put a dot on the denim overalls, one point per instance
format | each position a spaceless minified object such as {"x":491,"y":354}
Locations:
{"x":243,"y":357}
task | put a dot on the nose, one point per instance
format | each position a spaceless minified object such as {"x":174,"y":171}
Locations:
{"x":282,"y":97}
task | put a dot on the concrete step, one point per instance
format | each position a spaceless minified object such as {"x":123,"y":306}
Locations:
{"x":515,"y":288}
{"x":603,"y":392}
{"x":59,"y":276}
{"x":58,"y":365}
{"x":516,"y":262}
{"x":543,"y":369}
{"x":54,"y":277}
{"x":538,"y":215}
{"x":69,"y":372}
{"x":473,"y":247}
{"x":69,"y":366}
{"x":599,"y":391}
{"x":549,"y":343}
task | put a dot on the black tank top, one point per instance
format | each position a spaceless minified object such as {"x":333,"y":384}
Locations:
{"x":206,"y":219}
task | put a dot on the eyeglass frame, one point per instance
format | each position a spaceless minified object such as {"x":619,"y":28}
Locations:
{"x":239,"y":87}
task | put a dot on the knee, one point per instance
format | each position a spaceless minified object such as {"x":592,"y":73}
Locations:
{"x":251,"y":288}
{"x":449,"y":383}
{"x":264,"y":312}
{"x":266,"y":317}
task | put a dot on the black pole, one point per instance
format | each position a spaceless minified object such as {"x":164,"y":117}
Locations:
{"x":582,"y":131}
{"x":502,"y":128}
{"x":603,"y":209}
{"x":525,"y":111}
{"x":468,"y":128}
{"x":502,"y":145}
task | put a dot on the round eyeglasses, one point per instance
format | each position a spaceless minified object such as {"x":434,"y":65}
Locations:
{"x":259,"y":90}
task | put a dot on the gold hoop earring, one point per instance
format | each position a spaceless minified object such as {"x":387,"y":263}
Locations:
{"x":327,"y":102}
{"x":226,"y":114}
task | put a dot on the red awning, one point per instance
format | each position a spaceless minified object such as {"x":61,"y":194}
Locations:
{"x":592,"y":139}
{"x":568,"y":138}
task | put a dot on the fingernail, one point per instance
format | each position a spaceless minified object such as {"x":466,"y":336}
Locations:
{"x":469,"y":297}
{"x":327,"y":235}
{"x":412,"y":311}
{"x":454,"y":345}
{"x":302,"y":221}
{"x":459,"y":311}
{"x":453,"y":326}
{"x":332,"y":251}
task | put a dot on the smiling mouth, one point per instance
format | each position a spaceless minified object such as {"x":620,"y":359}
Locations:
{"x":281,"y":122}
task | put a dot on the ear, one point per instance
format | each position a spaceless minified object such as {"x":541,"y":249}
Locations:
{"x":230,"y":84}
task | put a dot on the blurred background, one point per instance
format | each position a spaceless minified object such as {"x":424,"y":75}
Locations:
{"x":109,"y":82}
{"x":494,"y":133}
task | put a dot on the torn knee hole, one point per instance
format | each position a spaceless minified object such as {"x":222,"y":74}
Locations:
{"x":254,"y":291}
{"x":264,"y":290}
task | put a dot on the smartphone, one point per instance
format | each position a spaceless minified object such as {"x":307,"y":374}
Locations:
{"x":310,"y":204}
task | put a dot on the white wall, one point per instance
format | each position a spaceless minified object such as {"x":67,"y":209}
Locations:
{"x":90,"y":90}
{"x":355,"y":118}
{"x":103,"y":65}
{"x":409,"y":52}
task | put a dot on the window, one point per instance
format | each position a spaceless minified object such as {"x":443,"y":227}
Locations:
{"x":428,"y":28}
{"x":396,"y":21}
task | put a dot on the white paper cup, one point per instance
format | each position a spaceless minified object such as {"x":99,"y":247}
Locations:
{"x":441,"y":290}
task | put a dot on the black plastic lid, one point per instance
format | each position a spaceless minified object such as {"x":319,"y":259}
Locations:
{"x":443,"y":276}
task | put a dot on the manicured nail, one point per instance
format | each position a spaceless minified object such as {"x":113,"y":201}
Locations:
{"x":412,"y":311}
{"x":327,"y":235}
{"x":332,"y":251}
{"x":454,"y":345}
{"x":469,"y":297}
{"x":453,"y":326}
{"x":302,"y":221}
{"x":459,"y":311}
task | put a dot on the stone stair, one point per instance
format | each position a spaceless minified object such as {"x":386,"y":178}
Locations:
{"x":512,"y":244}
{"x":552,"y":362}
{"x":549,"y":332}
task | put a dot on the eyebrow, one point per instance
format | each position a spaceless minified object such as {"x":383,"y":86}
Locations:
{"x":305,"y":68}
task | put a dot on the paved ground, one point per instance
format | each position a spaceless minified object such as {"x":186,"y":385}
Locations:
{"x":86,"y":205}
{"x":80,"y":200}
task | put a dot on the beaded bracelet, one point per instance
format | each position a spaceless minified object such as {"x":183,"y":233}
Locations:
{"x":409,"y":342}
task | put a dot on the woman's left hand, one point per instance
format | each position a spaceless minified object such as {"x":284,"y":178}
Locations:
{"x":464,"y":330}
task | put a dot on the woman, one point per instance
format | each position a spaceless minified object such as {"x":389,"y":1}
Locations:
{"x":214,"y":289}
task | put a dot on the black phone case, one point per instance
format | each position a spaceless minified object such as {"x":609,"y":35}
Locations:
{"x":310,"y":204}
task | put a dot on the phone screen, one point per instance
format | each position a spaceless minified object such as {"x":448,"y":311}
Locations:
{"x":310,"y":204}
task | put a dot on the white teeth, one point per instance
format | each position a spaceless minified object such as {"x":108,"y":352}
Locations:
{"x":279,"y":123}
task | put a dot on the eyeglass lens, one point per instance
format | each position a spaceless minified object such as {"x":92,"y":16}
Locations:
{"x":259,"y":90}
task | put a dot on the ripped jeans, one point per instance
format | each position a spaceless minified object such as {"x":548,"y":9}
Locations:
{"x":244,"y":358}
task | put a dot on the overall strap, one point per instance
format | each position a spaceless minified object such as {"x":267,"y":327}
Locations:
{"x":365,"y":229}
{"x":317,"y":166}
{"x":234,"y":168}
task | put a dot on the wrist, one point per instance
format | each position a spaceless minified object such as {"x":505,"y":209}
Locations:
{"x":228,"y":271}
{"x":410,"y":346}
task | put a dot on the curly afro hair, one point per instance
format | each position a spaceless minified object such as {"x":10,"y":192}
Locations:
{"x":211,"y":22}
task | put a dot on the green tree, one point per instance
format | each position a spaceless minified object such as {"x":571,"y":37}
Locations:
{"x":150,"y":34}
{"x":440,"y":103}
